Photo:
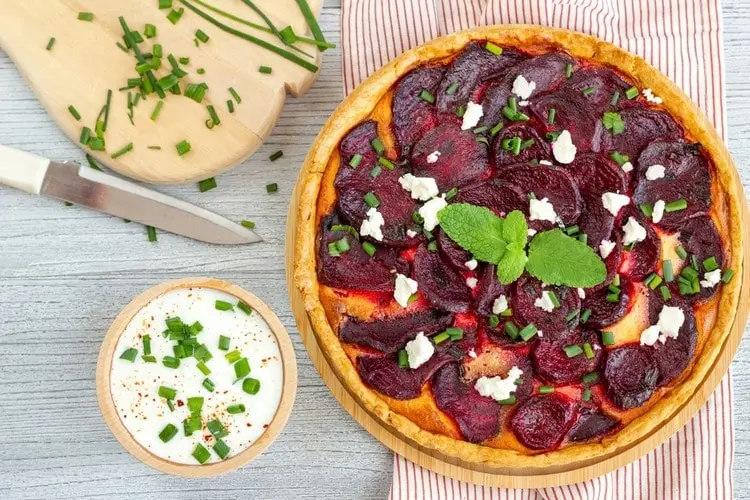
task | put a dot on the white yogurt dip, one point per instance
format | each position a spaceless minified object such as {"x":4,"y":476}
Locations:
{"x":135,"y":385}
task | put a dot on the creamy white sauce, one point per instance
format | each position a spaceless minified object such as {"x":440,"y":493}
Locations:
{"x":135,"y":386}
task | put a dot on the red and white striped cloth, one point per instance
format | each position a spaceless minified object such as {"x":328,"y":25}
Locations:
{"x":683,"y":38}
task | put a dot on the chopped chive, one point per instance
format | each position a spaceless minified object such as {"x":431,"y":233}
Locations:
{"x":151,"y":233}
{"x":165,"y":4}
{"x":681,"y":252}
{"x":369,"y":248}
{"x":214,"y":118}
{"x":223,"y":305}
{"x":230,"y":106}
{"x":427,"y":96}
{"x":224,"y":342}
{"x":710,"y":264}
{"x":460,"y":110}
{"x":312,"y":22}
{"x":205,"y":370}
{"x":272,"y":188}
{"x":147,"y":358}
{"x":403,"y":359}
{"x":573,"y":350}
{"x":170,"y":362}
{"x":51,"y":43}
{"x":588,"y":91}
{"x":158,"y":50}
{"x":129,"y":354}
{"x":613,"y":298}
{"x":201,"y":35}
{"x":665,"y":293}
{"x":202,"y":353}
{"x":452,"y":193}
{"x":266,"y":70}
{"x":619,"y":158}
{"x":590,"y":378}
{"x":146,"y":344}
{"x":615,"y":98}
{"x":149,"y":30}
{"x":440,"y":338}
{"x":356,"y":160}
{"x":452,"y":88}
{"x":551,"y":116}
{"x":123,"y":151}
{"x":493,"y":320}
{"x":275,"y":156}
{"x":377,"y":145}
{"x":371,"y":200}
{"x":585,"y":315}
{"x":553,"y":299}
{"x":167,"y":392}
{"x":455,"y":333}
{"x":183,"y":147}
{"x":235,"y":409}
{"x":586,"y":394}
{"x":244,"y":308}
{"x":568,"y":70}
{"x":510,"y":401}
{"x":248,"y":224}
{"x":496,"y":129}
{"x":200,"y":453}
{"x":233,"y":356}
{"x":168,"y":433}
{"x":175,"y":15}
{"x":85,"y":16}
{"x":242,"y":368}
{"x":571,"y":315}
{"x":251,"y":385}
{"x":631,"y":93}
{"x":608,"y":338}
{"x":376,"y":171}
{"x":195,"y":405}
{"x":667,"y":270}
{"x":674,"y":206}
{"x":85,"y":135}
{"x":235,"y":95}
{"x":727,"y":276}
{"x":73,"y":111}
{"x":209,"y":384}
{"x":207,"y":184}
{"x":221,"y":449}
{"x":690,"y":273}
{"x":528,"y":331}
{"x":385,"y":162}
{"x":495,"y":49}
{"x":546,"y":389}
{"x":588,"y":351}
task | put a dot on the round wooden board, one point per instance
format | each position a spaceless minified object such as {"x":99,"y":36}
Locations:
{"x":109,"y":412}
{"x":472,"y":473}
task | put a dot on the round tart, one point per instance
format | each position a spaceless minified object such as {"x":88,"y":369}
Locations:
{"x":517,"y":246}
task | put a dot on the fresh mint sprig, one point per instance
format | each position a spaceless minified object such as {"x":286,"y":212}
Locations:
{"x":552,"y":256}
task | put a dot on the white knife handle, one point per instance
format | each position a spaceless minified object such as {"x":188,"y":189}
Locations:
{"x":22,"y":170}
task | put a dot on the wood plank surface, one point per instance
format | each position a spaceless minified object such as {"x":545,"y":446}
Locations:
{"x":65,"y":273}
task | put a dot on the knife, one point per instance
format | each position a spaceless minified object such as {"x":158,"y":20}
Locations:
{"x":105,"y":193}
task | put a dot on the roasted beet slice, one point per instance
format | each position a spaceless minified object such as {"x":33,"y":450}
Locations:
{"x":443,"y":287}
{"x":604,"y":312}
{"x":546,"y":71}
{"x":642,"y":259}
{"x":596,"y":222}
{"x":604,"y":84}
{"x":412,"y":115}
{"x":539,"y":150}
{"x":478,"y":417}
{"x":353,"y":269}
{"x":396,"y":206}
{"x":541,"y":422}
{"x":488,"y":290}
{"x":554,"y":366}
{"x":686,"y":177}
{"x":500,"y":197}
{"x":592,"y":423}
{"x":469,"y":69}
{"x":641,"y":127}
{"x":699,"y":237}
{"x":631,"y":374}
{"x":357,"y":142}
{"x":451,"y":252}
{"x":553,"y":183}
{"x":462,"y":159}
{"x":383,"y":374}
{"x":597,"y":174}
{"x":674,"y":355}
{"x":572,"y":113}
{"x":554,"y":325}
{"x":391,"y":334}
{"x":612,"y":262}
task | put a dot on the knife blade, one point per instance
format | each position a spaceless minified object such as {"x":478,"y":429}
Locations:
{"x":109,"y":194}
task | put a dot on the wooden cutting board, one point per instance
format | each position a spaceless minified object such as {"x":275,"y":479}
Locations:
{"x":85,"y":62}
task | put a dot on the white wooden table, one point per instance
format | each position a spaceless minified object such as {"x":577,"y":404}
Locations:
{"x":66,"y":272}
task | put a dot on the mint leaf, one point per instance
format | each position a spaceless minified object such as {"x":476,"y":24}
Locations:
{"x":558,"y":259}
{"x":515,"y":230}
{"x":510,"y":267}
{"x":475,"y":229}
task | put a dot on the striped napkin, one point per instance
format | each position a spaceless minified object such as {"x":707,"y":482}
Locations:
{"x":683,"y":38}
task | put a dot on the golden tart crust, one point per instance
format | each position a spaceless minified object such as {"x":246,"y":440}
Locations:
{"x":437,"y":432}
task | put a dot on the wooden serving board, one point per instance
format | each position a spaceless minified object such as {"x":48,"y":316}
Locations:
{"x":85,"y":62}
{"x":474,"y":473}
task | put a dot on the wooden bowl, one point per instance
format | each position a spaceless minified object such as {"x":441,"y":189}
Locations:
{"x":104,"y":369}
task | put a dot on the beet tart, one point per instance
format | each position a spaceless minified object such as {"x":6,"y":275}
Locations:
{"x":520,"y":246}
